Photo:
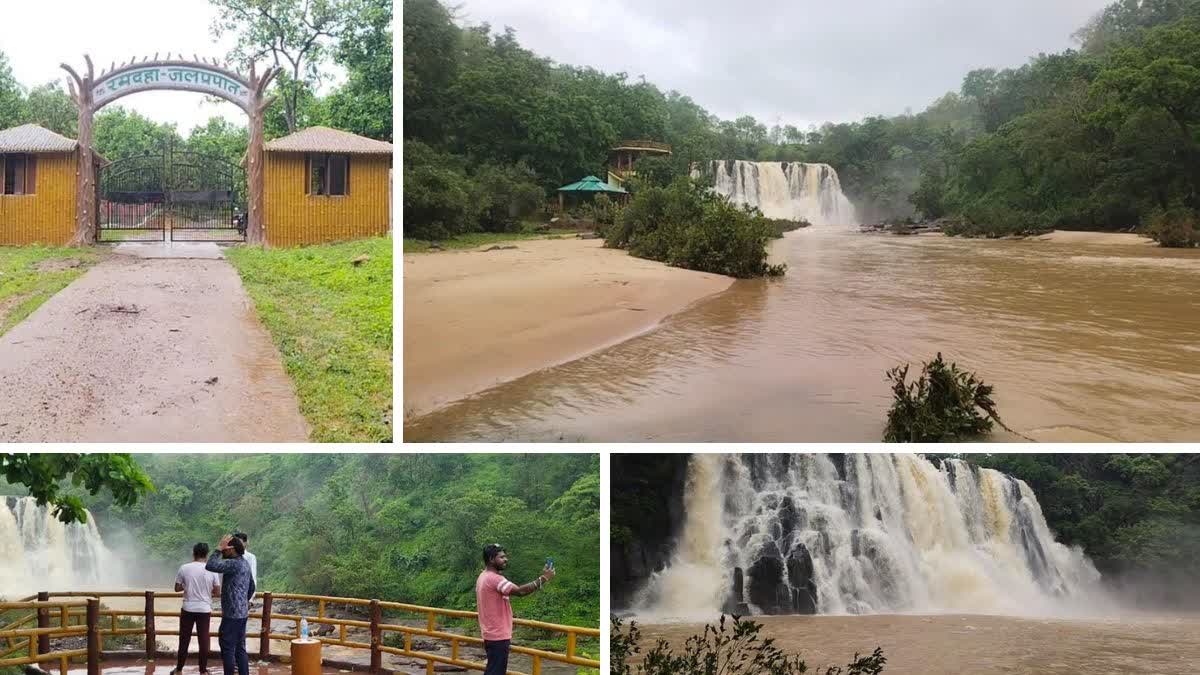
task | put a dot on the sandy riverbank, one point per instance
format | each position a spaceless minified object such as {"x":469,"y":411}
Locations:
{"x":1102,"y":238}
{"x":474,"y":319}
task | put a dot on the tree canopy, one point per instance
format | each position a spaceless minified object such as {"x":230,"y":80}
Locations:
{"x":43,"y":475}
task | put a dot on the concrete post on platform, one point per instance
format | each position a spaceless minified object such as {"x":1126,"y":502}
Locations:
{"x":306,"y":657}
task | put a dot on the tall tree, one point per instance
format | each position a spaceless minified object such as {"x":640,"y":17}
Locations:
{"x":10,"y":95}
{"x":363,"y":105}
{"x":49,"y":106}
{"x":121,"y":133}
{"x":296,"y":34}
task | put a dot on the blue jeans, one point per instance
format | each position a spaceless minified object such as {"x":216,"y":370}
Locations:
{"x":497,"y":656}
{"x":233,"y":645}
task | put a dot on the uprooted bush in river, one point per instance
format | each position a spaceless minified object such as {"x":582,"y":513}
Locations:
{"x":686,"y":224}
{"x":943,"y":404}
{"x":735,"y":649}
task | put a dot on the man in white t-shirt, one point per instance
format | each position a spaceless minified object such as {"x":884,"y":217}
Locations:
{"x":250,"y":558}
{"x":199,"y":587}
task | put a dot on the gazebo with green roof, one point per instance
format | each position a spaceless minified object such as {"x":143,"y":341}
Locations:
{"x":589,"y":185}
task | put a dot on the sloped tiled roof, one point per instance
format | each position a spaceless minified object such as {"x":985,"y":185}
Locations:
{"x":324,"y":139}
{"x":32,"y":138}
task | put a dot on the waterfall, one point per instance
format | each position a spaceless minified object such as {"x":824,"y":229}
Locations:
{"x":862,"y":534}
{"x":37,"y":552}
{"x":784,"y":190}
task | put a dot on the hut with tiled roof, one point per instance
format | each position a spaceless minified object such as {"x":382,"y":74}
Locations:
{"x":323,"y":185}
{"x":37,"y":186}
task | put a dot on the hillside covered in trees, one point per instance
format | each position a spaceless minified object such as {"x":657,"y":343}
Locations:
{"x":1106,"y":136}
{"x":1136,"y":515}
{"x":407,"y":528}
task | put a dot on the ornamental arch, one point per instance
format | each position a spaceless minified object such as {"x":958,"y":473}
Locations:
{"x":91,"y":92}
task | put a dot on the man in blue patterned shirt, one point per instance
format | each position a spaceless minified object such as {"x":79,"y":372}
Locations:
{"x":237,"y":587}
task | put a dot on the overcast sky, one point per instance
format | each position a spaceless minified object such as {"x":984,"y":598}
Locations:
{"x":799,"y":62}
{"x":37,"y":35}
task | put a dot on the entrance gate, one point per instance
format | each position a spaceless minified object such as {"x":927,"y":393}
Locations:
{"x":175,"y":195}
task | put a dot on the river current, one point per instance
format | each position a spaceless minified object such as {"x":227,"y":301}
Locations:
{"x":1083,"y":342}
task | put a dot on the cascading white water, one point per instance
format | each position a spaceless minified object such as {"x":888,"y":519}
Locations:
{"x":784,"y":190}
{"x":37,"y":552}
{"x":859,"y":534}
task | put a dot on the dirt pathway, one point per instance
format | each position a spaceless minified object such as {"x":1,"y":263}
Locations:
{"x":157,"y":346}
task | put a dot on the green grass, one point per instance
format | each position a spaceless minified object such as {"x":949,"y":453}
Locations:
{"x":332,"y":321}
{"x":477,"y":239}
{"x":24,"y":287}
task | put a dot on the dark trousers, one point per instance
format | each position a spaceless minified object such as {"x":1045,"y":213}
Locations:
{"x":233,"y":646}
{"x":201,"y":622}
{"x":497,"y":656}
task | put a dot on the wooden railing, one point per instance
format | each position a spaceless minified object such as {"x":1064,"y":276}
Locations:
{"x":630,"y":144}
{"x":85,"y":616}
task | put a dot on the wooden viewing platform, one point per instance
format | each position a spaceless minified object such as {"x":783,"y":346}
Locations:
{"x":28,"y":626}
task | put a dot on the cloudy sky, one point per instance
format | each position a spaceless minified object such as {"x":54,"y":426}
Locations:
{"x":798,"y":62}
{"x":40,"y":34}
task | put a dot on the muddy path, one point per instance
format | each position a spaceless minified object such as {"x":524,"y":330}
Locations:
{"x":147,"y":349}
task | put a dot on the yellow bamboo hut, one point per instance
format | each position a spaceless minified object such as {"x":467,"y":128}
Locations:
{"x":323,"y":185}
{"x":37,"y":186}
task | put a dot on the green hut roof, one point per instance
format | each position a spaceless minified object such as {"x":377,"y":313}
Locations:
{"x":591,"y":184}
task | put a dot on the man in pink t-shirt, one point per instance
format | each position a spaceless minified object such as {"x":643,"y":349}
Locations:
{"x":492,"y":592}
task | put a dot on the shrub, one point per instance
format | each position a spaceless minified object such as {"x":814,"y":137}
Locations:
{"x":942,"y":405}
{"x":992,"y":220}
{"x":438,"y":196}
{"x":1174,"y":228}
{"x":688,"y":225}
{"x":506,"y":194}
{"x":735,"y":650}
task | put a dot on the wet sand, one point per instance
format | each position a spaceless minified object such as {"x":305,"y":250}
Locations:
{"x":147,"y":350}
{"x":1096,"y":238}
{"x":981,"y":645}
{"x":474,"y":319}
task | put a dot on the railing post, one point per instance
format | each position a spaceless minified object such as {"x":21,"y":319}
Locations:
{"x":93,"y":636}
{"x":376,"y":641}
{"x":150,"y":636}
{"x":264,"y":635}
{"x":43,"y":621}
{"x":571,"y":645}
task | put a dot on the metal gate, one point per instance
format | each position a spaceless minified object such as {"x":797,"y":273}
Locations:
{"x":175,"y":195}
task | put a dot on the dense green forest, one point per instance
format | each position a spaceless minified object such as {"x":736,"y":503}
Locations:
{"x":1136,"y":515}
{"x":1106,"y":136}
{"x":406,"y":528}
{"x":354,"y":35}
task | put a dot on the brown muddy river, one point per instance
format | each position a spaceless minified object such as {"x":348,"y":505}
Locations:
{"x":980,"y":645}
{"x":1083,"y":342}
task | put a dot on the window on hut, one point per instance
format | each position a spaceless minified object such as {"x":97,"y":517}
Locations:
{"x":20,"y":174}
{"x":327,"y":174}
